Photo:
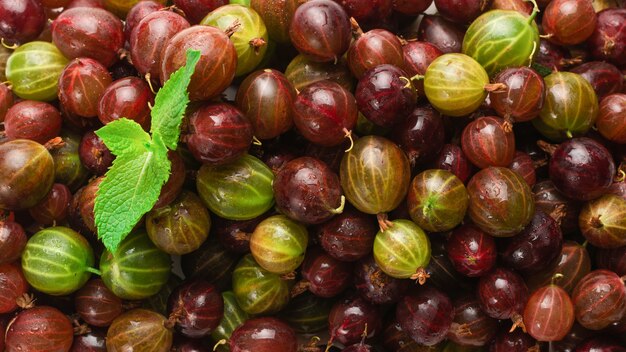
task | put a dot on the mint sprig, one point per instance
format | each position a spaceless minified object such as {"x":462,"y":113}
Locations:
{"x":132,"y":185}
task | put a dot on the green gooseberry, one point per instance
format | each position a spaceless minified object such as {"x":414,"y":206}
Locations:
{"x":240,"y":2}
{"x":137,"y":269}
{"x":403,"y":251}
{"x":570,"y":107}
{"x":250,"y":37}
{"x":34,"y":70}
{"x":57,"y":261}
{"x":500,"y":39}
{"x":437,"y":200}
{"x":456,"y":85}
{"x":240,"y":190}
{"x":68,"y":169}
{"x":278,"y":244}
{"x":257,"y":290}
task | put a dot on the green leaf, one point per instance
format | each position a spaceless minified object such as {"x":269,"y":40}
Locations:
{"x":124,"y":137}
{"x":130,"y":189}
{"x":171,"y":102}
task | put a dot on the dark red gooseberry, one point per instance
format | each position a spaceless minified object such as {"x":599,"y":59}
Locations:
{"x":324,"y":275}
{"x":536,"y":246}
{"x":13,"y":285}
{"x":569,"y":22}
{"x":576,"y":336}
{"x":214,"y":72}
{"x":613,"y":259}
{"x":472,"y":252}
{"x":376,"y":286}
{"x":174,"y":185}
{"x":445,"y":35}
{"x":359,"y":347}
{"x":442,"y":273}
{"x":234,"y":235}
{"x":451,"y":158}
{"x":367,"y":10}
{"x":524,"y":166}
{"x":93,"y":341}
{"x":503,"y":295}
{"x":599,"y":299}
{"x":325,"y":113}
{"x":461,"y":11}
{"x":487,"y":142}
{"x":266,"y":98}
{"x":307,"y":190}
{"x":320,"y":29}
{"x":417,"y":57}
{"x":82,"y":83}
{"x":129,"y":97}
{"x":471,"y":326}
{"x":604,"y":78}
{"x":54,"y":207}
{"x":263,"y":335}
{"x":601,"y":344}
{"x":348,"y":236}
{"x":572,"y":263}
{"x":42,"y":328}
{"x":562,"y":209}
{"x":94,"y":154}
{"x":330,"y":155}
{"x":373,"y":48}
{"x":149,"y":39}
{"x":12,"y":241}
{"x":611,"y":122}
{"x":426,"y":315}
{"x":608,"y":40}
{"x":552,"y":56}
{"x":350,"y":318}
{"x":521,"y":6}
{"x":421,"y":135}
{"x":96,"y":304}
{"x":385,"y":95}
{"x":549,"y":314}
{"x":581,"y":168}
{"x":396,"y":339}
{"x":411,"y":7}
{"x":196,"y":10}
{"x":514,"y":341}
{"x":196,"y":308}
{"x":21,"y":21}
{"x":523,"y":97}
{"x":34,"y":120}
{"x":6,"y":100}
{"x":74,"y":33}
{"x":137,"y":13}
{"x":86,"y":202}
{"x":218,"y":133}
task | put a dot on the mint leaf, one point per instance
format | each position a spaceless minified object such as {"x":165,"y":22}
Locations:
{"x":171,"y":101}
{"x":124,"y":137}
{"x":129,"y":190}
{"x":133,"y":184}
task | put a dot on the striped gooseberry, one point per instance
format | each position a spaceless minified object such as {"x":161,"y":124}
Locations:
{"x":569,"y":22}
{"x":487,"y":141}
{"x":523,"y":97}
{"x":12,"y":241}
{"x":437,"y":200}
{"x":603,"y":223}
{"x":421,"y":135}
{"x":257,"y":290}
{"x":426,"y":315}
{"x":471,"y":325}
{"x":81,"y":85}
{"x":266,"y":97}
{"x":375,"y":176}
{"x":456,"y":84}
{"x":373,"y":48}
{"x":323,"y":275}
{"x":96,"y":304}
{"x":45,"y":327}
{"x":14,"y":286}
{"x":503,"y":295}
{"x":472,"y":252}
{"x":233,"y":317}
{"x":500,"y":39}
{"x":307,"y":313}
{"x":611,"y":118}
{"x":195,"y":308}
{"x":137,"y":269}
{"x":570,"y":107}
{"x":608,"y":40}
{"x":34,"y":120}
{"x":34,"y":69}
{"x":181,"y":226}
{"x":549,"y":314}
{"x":225,"y":189}
{"x":599,"y":299}
{"x":351,"y":318}
{"x":573,"y":263}
{"x":278,"y":244}
{"x":524,"y":166}
{"x":277,"y":15}
{"x":501,"y":202}
{"x":57,"y":261}
{"x":303,"y":71}
{"x":139,"y":329}
{"x":403,"y":251}
{"x":349,"y":236}
{"x":264,"y":334}
{"x":604,"y":77}
{"x":250,"y":38}
{"x":374,"y":285}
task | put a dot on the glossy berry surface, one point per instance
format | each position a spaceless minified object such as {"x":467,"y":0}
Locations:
{"x":263,"y":335}
{"x":198,"y":308}
{"x":472,"y":252}
{"x":426,"y":315}
{"x":549,"y":314}
{"x":599,"y":299}
{"x":487,"y":142}
{"x":41,"y":327}
{"x":96,"y":304}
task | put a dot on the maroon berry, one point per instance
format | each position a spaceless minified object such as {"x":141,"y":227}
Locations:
{"x":82,"y":83}
{"x":34,"y":120}
{"x":197,"y":308}
{"x":128,"y":97}
{"x":42,"y":328}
